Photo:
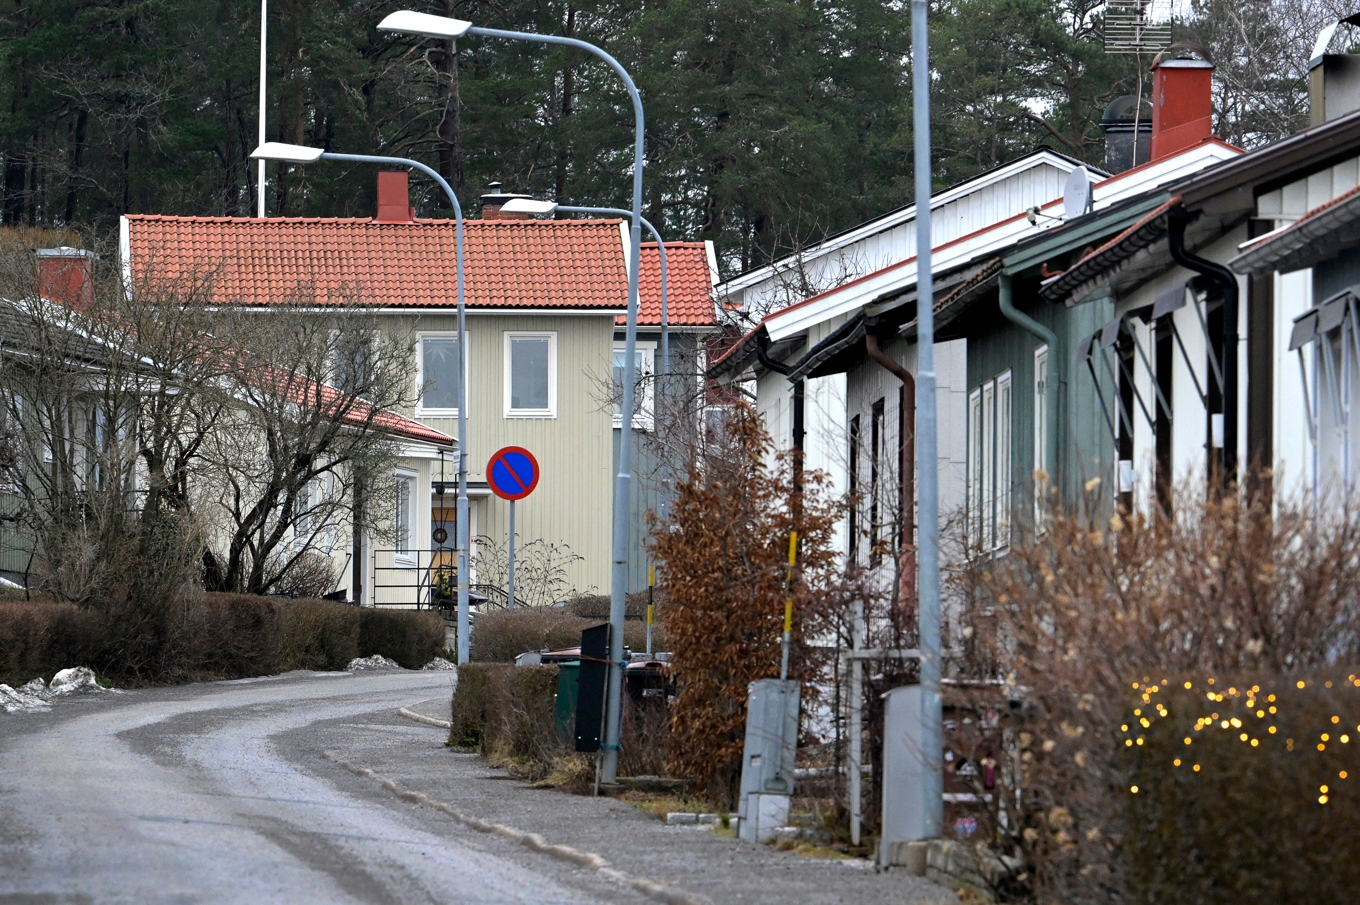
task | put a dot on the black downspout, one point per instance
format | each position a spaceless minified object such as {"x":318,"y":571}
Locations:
{"x":1176,"y":220}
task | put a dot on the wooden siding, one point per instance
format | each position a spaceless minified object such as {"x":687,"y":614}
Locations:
{"x":572,"y":503}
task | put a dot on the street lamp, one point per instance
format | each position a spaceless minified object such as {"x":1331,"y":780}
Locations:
{"x":299,"y":154}
{"x":442,"y":27}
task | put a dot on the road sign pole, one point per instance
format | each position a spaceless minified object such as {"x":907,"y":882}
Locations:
{"x":510,"y":576}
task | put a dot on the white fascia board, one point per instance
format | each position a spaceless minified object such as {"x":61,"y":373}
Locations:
{"x":897,"y":218}
{"x":627,"y":248}
{"x":423,"y":449}
{"x":795,"y":319}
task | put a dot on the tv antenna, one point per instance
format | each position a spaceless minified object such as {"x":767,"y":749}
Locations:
{"x":1133,"y":28}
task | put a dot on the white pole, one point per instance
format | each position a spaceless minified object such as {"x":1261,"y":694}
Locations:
{"x":510,"y":571}
{"x":259,"y":180}
{"x":856,"y":724}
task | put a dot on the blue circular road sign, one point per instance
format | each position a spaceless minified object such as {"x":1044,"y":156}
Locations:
{"x":512,"y":473}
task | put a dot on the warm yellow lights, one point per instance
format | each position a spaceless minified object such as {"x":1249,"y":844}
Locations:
{"x":1177,"y":762}
{"x":1196,"y":768}
{"x":1260,"y":714}
{"x":1187,"y":739}
{"x":1140,"y":741}
{"x":1128,"y":743}
{"x":1124,"y":728}
{"x":1144,"y":722}
{"x":1336,"y":719}
{"x":1255,"y":742}
{"x":1300,"y":683}
{"x":1188,"y":686}
{"x":1342,"y":774}
{"x":1321,"y":747}
{"x":1326,"y":737}
{"x":1323,"y":790}
{"x":1272,"y":708}
{"x":1345,"y":739}
{"x":1322,"y":799}
{"x":1224,"y":724}
{"x":1270,"y":697}
{"x":1133,"y":789}
{"x":1243,"y":737}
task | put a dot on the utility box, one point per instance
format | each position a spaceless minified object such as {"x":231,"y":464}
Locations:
{"x":904,"y":772}
{"x":768,"y":757}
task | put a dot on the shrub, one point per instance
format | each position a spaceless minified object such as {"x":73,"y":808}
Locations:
{"x":1091,"y":611}
{"x":238,"y":636}
{"x":500,"y":636}
{"x":1194,"y":837}
{"x":39,"y":638}
{"x":317,"y":634}
{"x":468,"y":720}
{"x":411,"y":637}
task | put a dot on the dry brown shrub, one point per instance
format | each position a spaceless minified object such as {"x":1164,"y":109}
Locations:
{"x":724,"y":559}
{"x":317,"y":634}
{"x":1077,"y":619}
{"x":501,"y":635}
{"x":411,"y":637}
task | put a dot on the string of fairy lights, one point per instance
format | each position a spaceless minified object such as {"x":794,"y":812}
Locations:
{"x":1259,"y":722}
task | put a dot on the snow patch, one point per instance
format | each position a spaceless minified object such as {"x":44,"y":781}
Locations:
{"x":377,"y":661}
{"x":37,"y":694}
{"x":438,"y":664}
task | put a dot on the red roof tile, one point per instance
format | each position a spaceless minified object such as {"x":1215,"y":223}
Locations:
{"x":509,"y":263}
{"x":689,"y":284}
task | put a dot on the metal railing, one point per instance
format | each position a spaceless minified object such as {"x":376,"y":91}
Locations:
{"x":428,"y":579}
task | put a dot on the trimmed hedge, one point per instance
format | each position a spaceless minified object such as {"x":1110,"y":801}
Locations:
{"x":507,"y":712}
{"x":500,"y":636}
{"x":208,"y":636}
{"x":1239,"y":814}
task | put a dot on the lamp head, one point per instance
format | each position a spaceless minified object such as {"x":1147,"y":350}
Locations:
{"x":407,"y":22}
{"x":529,"y":206}
{"x":285,"y":153}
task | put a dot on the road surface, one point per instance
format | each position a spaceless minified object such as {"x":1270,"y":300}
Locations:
{"x":255,"y":792}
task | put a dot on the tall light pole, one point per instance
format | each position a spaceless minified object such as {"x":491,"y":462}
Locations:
{"x":298,"y":154}
{"x":259,"y":182}
{"x":413,"y":23}
{"x":928,"y":491}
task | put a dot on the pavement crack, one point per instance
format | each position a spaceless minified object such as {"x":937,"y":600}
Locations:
{"x":653,"y":889}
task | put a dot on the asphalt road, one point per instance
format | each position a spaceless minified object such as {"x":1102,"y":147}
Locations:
{"x":202,"y":794}
{"x":255,"y":792}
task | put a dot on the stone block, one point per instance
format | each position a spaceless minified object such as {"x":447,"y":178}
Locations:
{"x":681,"y":818}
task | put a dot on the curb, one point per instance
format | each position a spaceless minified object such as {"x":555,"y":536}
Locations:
{"x":422,"y":718}
{"x":653,"y":889}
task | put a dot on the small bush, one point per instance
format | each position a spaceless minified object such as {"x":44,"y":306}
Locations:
{"x":39,"y":638}
{"x":500,"y":636}
{"x":239,"y":636}
{"x":469,"y":706}
{"x":411,"y":637}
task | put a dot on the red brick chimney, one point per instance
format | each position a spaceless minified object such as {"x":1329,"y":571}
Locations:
{"x":1182,"y":105}
{"x":66,"y":276}
{"x":394,"y":198}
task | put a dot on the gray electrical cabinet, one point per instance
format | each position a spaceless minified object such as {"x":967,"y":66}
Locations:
{"x":904,"y":771}
{"x":768,"y":759}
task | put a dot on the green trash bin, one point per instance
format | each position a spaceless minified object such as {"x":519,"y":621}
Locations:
{"x":568,"y":683}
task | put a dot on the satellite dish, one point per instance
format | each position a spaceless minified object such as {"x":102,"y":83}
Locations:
{"x":1077,"y":194}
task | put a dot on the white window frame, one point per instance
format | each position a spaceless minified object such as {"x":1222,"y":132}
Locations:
{"x":509,"y":337}
{"x":1005,"y":415}
{"x":1041,"y":463}
{"x":643,"y":413}
{"x":406,"y":558}
{"x":975,"y":437}
{"x":421,"y":410}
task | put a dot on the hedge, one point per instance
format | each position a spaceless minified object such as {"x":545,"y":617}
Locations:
{"x":501,"y":635}
{"x":507,"y":712}
{"x":1261,"y":805}
{"x":208,"y":636}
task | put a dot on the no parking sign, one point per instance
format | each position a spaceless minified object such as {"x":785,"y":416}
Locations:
{"x":512,"y":473}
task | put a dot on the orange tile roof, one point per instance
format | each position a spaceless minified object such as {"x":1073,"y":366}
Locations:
{"x":689,"y":284}
{"x":576,"y":264}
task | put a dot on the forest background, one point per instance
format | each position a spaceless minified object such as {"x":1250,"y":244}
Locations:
{"x":771,"y":123}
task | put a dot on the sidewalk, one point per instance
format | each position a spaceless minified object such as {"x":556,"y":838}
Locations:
{"x":689,"y":860}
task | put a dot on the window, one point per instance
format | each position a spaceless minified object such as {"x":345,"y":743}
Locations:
{"x":439,"y":378}
{"x":1041,"y":463}
{"x":854,"y":489}
{"x":530,"y":375}
{"x":875,"y":482}
{"x":404,"y":519}
{"x":643,"y":356}
{"x":1003,"y":460}
{"x":354,"y":355}
{"x":989,"y":464}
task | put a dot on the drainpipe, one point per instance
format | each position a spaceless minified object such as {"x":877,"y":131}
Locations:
{"x":907,"y":551}
{"x":1176,"y":221}
{"x":1029,"y":324}
{"x":780,"y":368}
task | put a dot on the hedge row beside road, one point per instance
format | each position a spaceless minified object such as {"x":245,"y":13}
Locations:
{"x":210,"y":636}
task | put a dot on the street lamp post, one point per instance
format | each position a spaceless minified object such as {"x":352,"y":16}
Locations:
{"x":932,"y":729}
{"x":298,"y":154}
{"x":445,"y":28}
